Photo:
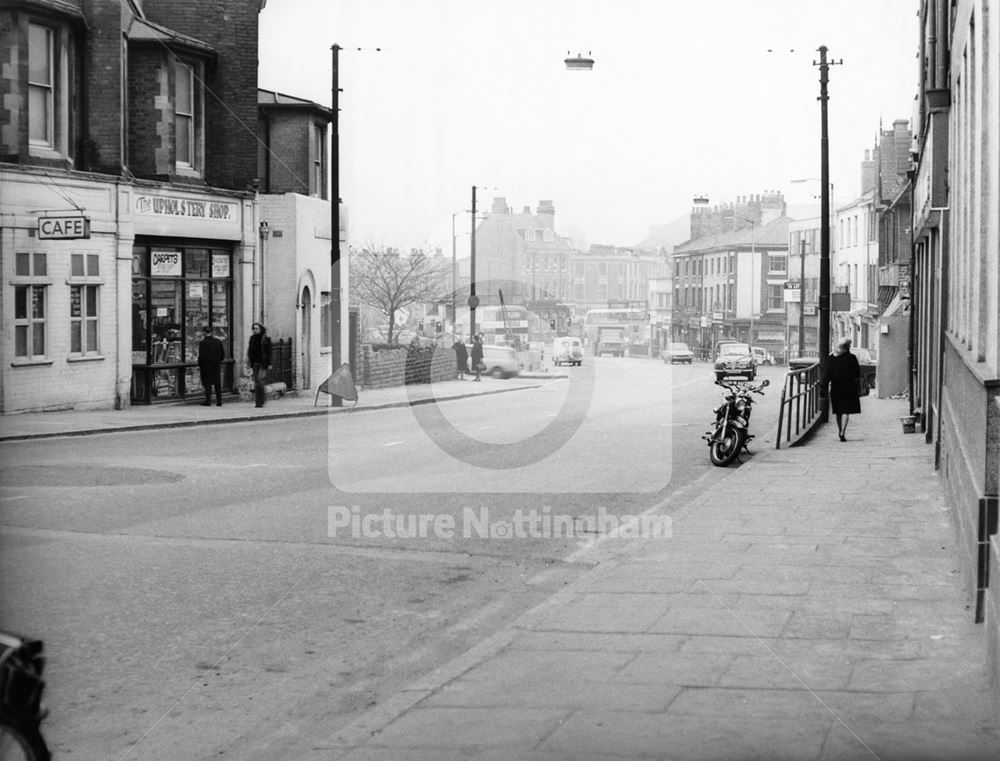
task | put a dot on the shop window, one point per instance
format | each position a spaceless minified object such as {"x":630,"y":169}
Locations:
{"x":84,"y":304}
{"x":30,"y":305}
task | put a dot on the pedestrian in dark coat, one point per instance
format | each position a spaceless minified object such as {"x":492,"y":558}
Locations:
{"x":477,"y":355}
{"x":211,"y":352}
{"x":843,"y":374}
{"x":461,"y":358}
{"x":259,"y":360}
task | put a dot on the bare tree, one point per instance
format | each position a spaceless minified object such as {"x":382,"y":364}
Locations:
{"x":382,"y":278}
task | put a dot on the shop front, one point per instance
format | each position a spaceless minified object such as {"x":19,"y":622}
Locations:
{"x":178,"y":290}
{"x":181,"y":285}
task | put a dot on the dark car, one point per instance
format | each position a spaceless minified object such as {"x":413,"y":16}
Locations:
{"x":733,"y":358}
{"x":677,"y":352}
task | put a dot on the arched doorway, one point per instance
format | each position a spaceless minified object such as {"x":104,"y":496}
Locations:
{"x":305,"y":339}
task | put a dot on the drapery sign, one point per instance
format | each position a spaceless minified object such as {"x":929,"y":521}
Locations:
{"x":165,"y":264}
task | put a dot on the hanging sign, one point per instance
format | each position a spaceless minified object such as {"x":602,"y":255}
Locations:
{"x":64,"y":227}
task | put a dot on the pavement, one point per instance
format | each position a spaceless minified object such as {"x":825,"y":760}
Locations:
{"x":35,"y":425}
{"x":805,"y":605}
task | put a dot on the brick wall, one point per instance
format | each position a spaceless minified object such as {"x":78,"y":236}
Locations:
{"x":230,"y":26}
{"x":149,"y":128}
{"x":389,"y":367}
{"x":104,"y":87}
{"x":10,"y":78}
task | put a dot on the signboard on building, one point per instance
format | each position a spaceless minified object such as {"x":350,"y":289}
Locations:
{"x":63,"y":227}
{"x":792,"y":292}
{"x":220,"y":265}
{"x":165,"y":264}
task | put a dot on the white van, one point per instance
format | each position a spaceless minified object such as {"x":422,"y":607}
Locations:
{"x":567,"y":349}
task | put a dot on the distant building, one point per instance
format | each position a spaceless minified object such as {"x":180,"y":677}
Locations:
{"x":729,"y":279}
{"x":893,"y":194}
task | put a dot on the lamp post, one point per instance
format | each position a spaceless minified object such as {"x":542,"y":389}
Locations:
{"x":454,"y":269}
{"x":473,"y":298}
{"x":802,"y":296}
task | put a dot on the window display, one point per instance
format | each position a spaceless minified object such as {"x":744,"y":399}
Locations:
{"x":176,"y":292}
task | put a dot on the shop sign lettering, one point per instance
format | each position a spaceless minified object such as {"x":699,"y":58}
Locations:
{"x":167,"y":206}
{"x":165,"y":264}
{"x":63,"y":227}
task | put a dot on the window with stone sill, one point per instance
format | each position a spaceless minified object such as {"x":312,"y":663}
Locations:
{"x":188,"y":116}
{"x":84,"y":304}
{"x":31,"y":286}
{"x":50,"y":58}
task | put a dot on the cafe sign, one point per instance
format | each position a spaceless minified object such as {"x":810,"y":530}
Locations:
{"x":63,"y":227}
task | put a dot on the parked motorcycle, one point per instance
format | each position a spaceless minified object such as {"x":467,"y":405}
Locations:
{"x":21,"y":710}
{"x":731,"y":431}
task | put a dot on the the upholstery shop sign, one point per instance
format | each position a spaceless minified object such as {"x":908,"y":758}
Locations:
{"x":178,"y":206}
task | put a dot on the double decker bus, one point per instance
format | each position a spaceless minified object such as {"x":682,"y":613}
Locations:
{"x":503,"y":325}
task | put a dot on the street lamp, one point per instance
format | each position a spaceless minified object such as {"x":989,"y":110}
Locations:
{"x":580,"y":63}
{"x":811,"y":179}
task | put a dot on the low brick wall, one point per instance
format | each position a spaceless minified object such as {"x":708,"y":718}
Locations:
{"x":395,"y":367}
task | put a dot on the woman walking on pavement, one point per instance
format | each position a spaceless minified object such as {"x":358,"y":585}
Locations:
{"x":259,"y":359}
{"x":843,"y":374}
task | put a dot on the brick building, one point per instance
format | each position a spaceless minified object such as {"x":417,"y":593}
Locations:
{"x":127,"y":175}
{"x":729,"y":279}
{"x":956,"y":280}
{"x":295,"y":224}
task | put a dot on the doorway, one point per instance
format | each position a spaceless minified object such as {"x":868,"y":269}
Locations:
{"x":305,"y":342}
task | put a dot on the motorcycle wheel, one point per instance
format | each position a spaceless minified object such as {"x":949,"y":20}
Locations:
{"x":724,"y":450}
{"x":17,"y":744}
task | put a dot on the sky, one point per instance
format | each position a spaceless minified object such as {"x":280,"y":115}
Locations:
{"x":714,"y":98}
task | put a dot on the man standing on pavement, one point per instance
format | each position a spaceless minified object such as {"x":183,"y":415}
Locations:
{"x":477,"y":355}
{"x":211,"y":352}
{"x":259,"y":360}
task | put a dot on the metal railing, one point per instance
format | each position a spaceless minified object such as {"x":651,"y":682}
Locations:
{"x":801,"y":405}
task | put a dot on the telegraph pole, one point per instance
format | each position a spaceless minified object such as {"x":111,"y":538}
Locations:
{"x":824,"y":231}
{"x":336,"y":353}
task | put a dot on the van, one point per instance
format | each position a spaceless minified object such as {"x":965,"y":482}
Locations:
{"x":567,"y":350}
{"x":500,"y":361}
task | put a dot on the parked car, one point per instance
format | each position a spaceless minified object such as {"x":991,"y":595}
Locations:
{"x":762,"y":356}
{"x":500,"y":361}
{"x":800,"y":361}
{"x":567,"y":349}
{"x":734,"y":359}
{"x":677,"y":352}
